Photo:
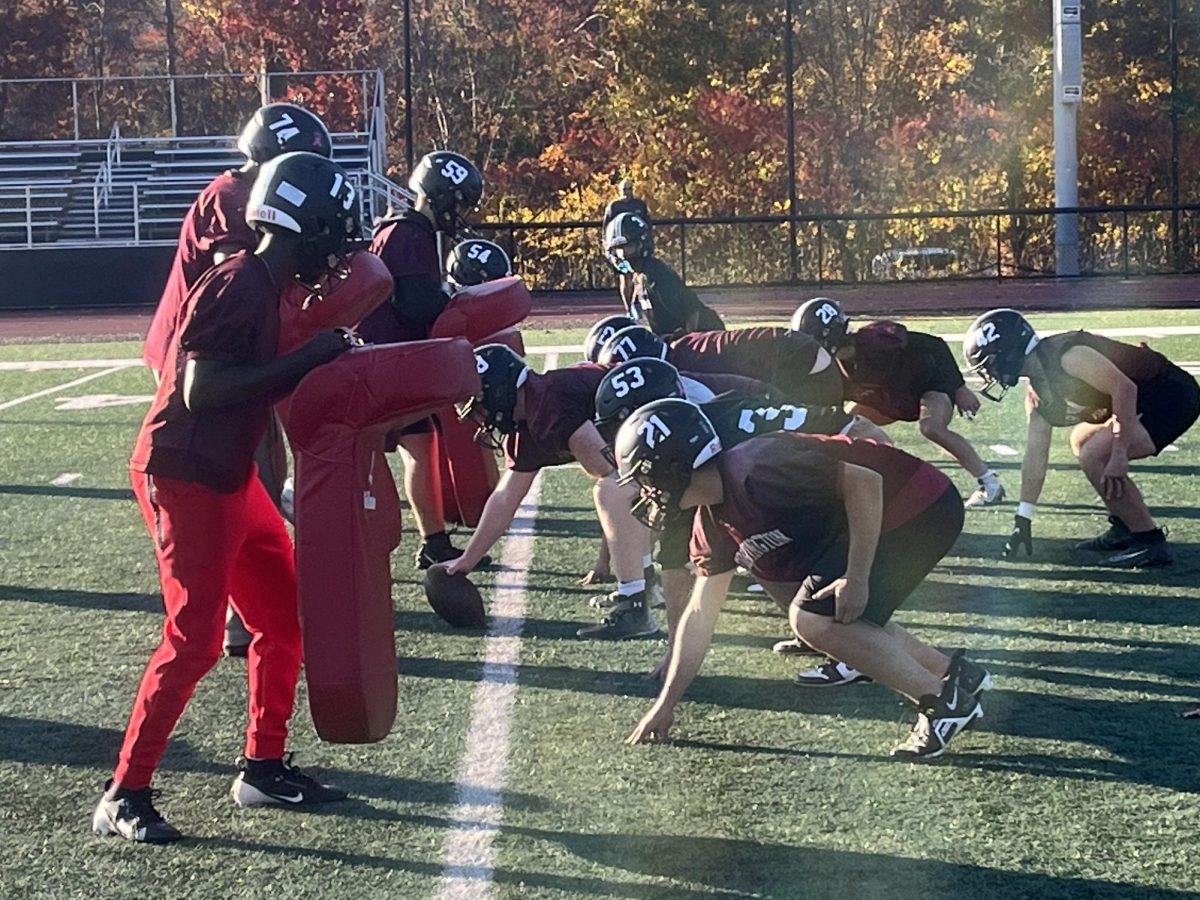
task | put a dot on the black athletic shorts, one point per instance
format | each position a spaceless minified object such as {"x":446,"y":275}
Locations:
{"x":1168,"y":406}
{"x":902,"y":560}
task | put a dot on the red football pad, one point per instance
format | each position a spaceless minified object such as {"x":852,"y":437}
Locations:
{"x":482,"y":309}
{"x":346,"y":299}
{"x":454,"y":598}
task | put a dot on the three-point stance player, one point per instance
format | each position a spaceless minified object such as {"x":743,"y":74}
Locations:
{"x":845,"y":529}
{"x":216,"y":533}
{"x":1121,"y":402}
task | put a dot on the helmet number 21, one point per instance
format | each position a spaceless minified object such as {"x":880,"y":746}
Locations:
{"x":653,"y":430}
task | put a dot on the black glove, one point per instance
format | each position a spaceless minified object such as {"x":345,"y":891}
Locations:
{"x":1022,"y":533}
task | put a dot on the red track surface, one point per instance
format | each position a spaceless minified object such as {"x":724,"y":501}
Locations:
{"x":736,"y":304}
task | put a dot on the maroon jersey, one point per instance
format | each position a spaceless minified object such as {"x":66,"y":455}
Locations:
{"x":556,"y":404}
{"x":777,"y":356}
{"x":893,"y":368}
{"x":232,"y":314}
{"x":1065,"y":400}
{"x":783,"y":510}
{"x":218,"y":216}
{"x":408,"y":247}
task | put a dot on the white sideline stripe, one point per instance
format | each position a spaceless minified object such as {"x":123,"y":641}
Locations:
{"x":48,"y":365}
{"x":469,"y":854}
{"x":65,"y":479}
{"x":1003,"y":450}
{"x":62,"y":387}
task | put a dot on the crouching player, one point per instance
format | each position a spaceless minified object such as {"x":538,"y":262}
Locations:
{"x":546,"y":420}
{"x":216,"y":533}
{"x":846,"y":529}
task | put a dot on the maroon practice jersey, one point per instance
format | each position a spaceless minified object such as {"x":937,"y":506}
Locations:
{"x":217,"y":217}
{"x":777,"y":356}
{"x":232,"y":314}
{"x":1065,"y":400}
{"x":408,"y":247}
{"x":783,"y":510}
{"x":892,"y":368}
{"x":556,"y":404}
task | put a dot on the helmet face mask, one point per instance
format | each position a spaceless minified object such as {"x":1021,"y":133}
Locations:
{"x":995,"y":348}
{"x":627,"y":239}
{"x":451,"y":184}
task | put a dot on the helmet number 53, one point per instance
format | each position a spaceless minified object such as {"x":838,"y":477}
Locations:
{"x":622,"y":387}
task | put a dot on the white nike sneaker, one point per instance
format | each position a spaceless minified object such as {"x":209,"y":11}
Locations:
{"x":986,"y":495}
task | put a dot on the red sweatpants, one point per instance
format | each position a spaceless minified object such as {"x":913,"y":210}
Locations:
{"x":212,"y":549}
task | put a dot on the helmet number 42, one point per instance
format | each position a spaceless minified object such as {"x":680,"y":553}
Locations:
{"x":986,"y":334}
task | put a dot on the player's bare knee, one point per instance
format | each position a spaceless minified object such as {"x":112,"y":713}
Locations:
{"x":809,"y":626}
{"x":933,"y":430}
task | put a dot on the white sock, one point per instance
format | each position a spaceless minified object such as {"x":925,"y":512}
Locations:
{"x":989,"y":478}
{"x":629,"y":588}
{"x":647,"y":561}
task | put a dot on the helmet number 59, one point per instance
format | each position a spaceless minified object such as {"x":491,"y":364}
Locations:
{"x":455,"y":171}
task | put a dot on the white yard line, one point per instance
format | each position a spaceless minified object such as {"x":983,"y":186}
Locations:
{"x":62,"y":387}
{"x":66,"y":479}
{"x":1003,"y":450}
{"x":48,"y":365}
{"x":469,"y":854}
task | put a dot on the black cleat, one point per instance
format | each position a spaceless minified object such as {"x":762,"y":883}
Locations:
{"x":629,"y":619}
{"x":970,"y":676}
{"x":939,"y":719}
{"x":1117,"y":537}
{"x":132,"y":816}
{"x":276,"y":782}
{"x":1140,"y":555}
{"x":830,"y":673}
{"x":437,"y":548}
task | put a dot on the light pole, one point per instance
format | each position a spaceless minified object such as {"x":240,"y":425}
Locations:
{"x":408,"y":117}
{"x":793,"y":275}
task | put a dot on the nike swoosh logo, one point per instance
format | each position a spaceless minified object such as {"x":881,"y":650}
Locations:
{"x":297,"y":798}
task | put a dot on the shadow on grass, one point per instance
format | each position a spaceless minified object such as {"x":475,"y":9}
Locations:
{"x":101,"y":600}
{"x":85,"y":493}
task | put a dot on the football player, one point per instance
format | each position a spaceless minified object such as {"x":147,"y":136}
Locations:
{"x":216,"y":533}
{"x":844,"y":530}
{"x":626,"y":202}
{"x":1121,"y":402}
{"x":736,"y":415}
{"x":649,"y":288}
{"x":893,"y":374}
{"x":213,"y":229}
{"x":546,"y":420}
{"x":446,"y":185}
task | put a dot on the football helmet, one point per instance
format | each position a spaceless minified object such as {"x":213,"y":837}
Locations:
{"x":631,"y":385}
{"x":632,"y":342}
{"x":627,"y":238}
{"x":501,"y":374}
{"x":995,"y":349}
{"x":451,"y":184}
{"x":601,"y":332}
{"x":283,"y":128}
{"x":306,"y":194}
{"x":476,"y":261}
{"x":659,"y":446}
{"x":822,"y":319}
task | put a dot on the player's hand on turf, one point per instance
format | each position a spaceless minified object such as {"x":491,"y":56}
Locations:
{"x":849,"y":595}
{"x":655,"y":727}
{"x":1022,"y":534}
{"x":594,"y":577}
{"x":966,"y":402}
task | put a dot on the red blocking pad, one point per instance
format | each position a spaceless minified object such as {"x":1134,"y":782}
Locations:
{"x":468,"y":471}
{"x":481,"y":310}
{"x":347,"y":297}
{"x":348,"y":519}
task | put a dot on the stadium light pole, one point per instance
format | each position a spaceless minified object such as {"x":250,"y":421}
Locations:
{"x":1068,"y":90}
{"x":1176,"y":249}
{"x":408,"y":118}
{"x":789,"y":63}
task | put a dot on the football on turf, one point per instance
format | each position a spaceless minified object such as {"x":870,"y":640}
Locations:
{"x":454,"y":598}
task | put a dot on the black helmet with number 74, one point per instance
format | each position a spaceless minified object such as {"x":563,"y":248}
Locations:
{"x":995,"y":349}
{"x":476,"y":261}
{"x":630,"y":385}
{"x":659,"y":446}
{"x":822,"y":318}
{"x":279,"y":128}
{"x":501,"y":374}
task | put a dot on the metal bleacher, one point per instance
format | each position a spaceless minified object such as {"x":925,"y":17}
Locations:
{"x":131,"y":191}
